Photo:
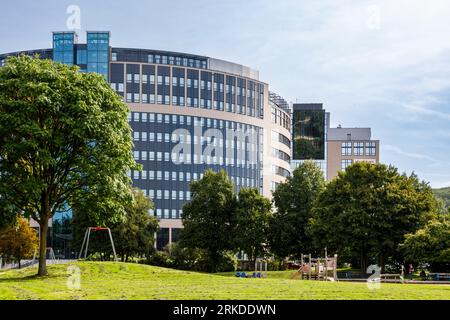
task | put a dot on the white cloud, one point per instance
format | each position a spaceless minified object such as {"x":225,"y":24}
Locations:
{"x":399,"y":151}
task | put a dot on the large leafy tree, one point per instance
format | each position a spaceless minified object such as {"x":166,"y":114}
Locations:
{"x":136,"y":235}
{"x":64,"y":141}
{"x":209,"y":217}
{"x":252,"y":222}
{"x":294,"y":200}
{"x":430,"y":244}
{"x":368,"y":209}
{"x":18,"y":241}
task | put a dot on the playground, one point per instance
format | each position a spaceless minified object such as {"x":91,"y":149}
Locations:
{"x":115,"y":280}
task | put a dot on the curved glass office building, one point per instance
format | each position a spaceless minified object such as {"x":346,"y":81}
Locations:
{"x":188,"y":113}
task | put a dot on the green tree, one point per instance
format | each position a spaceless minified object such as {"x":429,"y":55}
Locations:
{"x":294,"y":200}
{"x":368,"y":209}
{"x":64,"y":141}
{"x":252,"y":222}
{"x":430,"y":244}
{"x":18,"y":241}
{"x":209,"y":217}
{"x":136,"y":235}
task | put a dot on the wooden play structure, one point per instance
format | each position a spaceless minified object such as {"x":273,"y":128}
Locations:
{"x":317,"y":268}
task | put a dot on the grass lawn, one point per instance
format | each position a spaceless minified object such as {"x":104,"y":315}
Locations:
{"x":108,"y":280}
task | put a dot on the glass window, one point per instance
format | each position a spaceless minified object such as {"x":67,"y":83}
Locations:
{"x":358,"y":148}
{"x":371,"y":149}
{"x":345,"y":163}
{"x":346,"y":149}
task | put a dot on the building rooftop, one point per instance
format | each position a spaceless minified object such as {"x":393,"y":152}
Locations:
{"x":307,"y":106}
{"x":340,"y":134}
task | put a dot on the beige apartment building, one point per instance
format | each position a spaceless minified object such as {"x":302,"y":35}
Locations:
{"x":346,"y":146}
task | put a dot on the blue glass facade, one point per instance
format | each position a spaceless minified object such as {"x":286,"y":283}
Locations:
{"x":98,"y":52}
{"x":63,"y":47}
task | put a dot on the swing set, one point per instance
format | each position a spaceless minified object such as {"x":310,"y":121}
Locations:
{"x":87,"y":238}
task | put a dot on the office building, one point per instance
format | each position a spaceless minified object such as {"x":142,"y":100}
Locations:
{"x":346,"y":146}
{"x":219,"y":113}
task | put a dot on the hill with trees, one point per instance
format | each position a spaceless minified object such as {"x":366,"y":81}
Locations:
{"x":444,"y":194}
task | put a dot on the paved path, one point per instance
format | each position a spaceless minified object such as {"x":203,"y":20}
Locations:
{"x":31,"y":263}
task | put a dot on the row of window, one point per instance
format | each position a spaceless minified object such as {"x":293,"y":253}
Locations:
{"x":278,"y":137}
{"x":358,"y":148}
{"x":162,"y":59}
{"x":188,"y":120}
{"x":188,"y":158}
{"x":281,"y":118}
{"x":166,"y":213}
{"x":168,"y":194}
{"x":195,"y":139}
{"x":184,"y":177}
{"x":281,"y":155}
{"x":280,"y":171}
{"x":187,"y":87}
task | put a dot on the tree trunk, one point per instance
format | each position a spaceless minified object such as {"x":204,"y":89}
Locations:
{"x":364,"y":262}
{"x":19,"y":263}
{"x":42,"y":271}
{"x":381,"y":262}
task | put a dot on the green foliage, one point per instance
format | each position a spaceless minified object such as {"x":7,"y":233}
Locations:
{"x":64,"y":140}
{"x":208,"y":218}
{"x":136,"y":235}
{"x":430,"y":244}
{"x":195,"y":259}
{"x":368,"y":209}
{"x":252,"y":222}
{"x":294,"y":200}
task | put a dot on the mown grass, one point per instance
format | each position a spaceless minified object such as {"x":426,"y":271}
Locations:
{"x":108,"y":280}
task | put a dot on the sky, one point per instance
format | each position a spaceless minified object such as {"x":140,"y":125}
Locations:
{"x":383,"y":64}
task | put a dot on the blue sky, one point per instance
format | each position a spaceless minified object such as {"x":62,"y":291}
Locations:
{"x":379,"y":64}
